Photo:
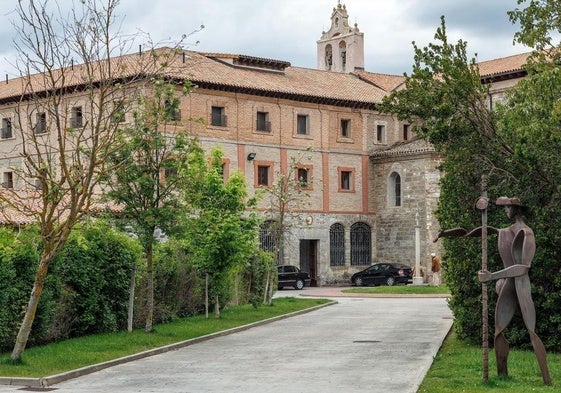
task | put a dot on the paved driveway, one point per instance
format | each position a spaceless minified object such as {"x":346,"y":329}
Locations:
{"x":358,"y":345}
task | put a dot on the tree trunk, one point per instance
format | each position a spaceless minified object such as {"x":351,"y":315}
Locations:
{"x":149,"y":289}
{"x":29,"y":317}
{"x":206,"y":295}
{"x":131,"y":299}
{"x":266,"y":291}
{"x":216,"y":307}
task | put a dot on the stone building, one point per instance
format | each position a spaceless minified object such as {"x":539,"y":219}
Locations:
{"x":370,"y":181}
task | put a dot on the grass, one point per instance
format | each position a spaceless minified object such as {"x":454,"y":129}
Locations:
{"x":402,"y":289}
{"x":457,"y":368}
{"x":71,"y":354}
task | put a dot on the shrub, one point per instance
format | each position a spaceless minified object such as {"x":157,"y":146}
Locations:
{"x":178,"y":290}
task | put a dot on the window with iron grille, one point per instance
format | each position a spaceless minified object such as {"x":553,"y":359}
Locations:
{"x":268,"y":237}
{"x":262,"y":122}
{"x":361,"y":244}
{"x":7,"y":128}
{"x":218,"y":116}
{"x":337,"y":245}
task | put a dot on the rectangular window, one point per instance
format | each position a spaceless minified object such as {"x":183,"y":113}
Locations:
{"x":345,"y":128}
{"x":346,"y":179}
{"x":303,"y":177}
{"x":170,"y":172}
{"x":7,"y":128}
{"x":8,"y":180}
{"x":118,"y":115}
{"x":302,"y":124}
{"x":218,"y":116}
{"x":173,"y":112}
{"x":40,"y":123}
{"x":262,"y":122}
{"x":380,"y":133}
{"x":263,"y":175}
{"x":76,"y":118}
{"x":405,"y":132}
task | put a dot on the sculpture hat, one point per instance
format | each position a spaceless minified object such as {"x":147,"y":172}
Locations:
{"x":506,"y":201}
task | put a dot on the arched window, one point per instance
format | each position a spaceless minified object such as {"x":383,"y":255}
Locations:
{"x":328,"y":57}
{"x":337,"y":245}
{"x":361,"y":244}
{"x":394,"y":189}
{"x":343,"y":53}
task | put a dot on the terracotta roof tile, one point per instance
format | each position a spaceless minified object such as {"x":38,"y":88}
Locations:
{"x":267,"y":76}
{"x":504,"y":65}
{"x":403,"y":148}
{"x":207,"y":68}
{"x":385,"y":82}
{"x":25,"y":207}
{"x":293,"y":80}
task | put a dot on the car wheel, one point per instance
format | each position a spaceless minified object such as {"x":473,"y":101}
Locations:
{"x":358,"y":282}
{"x":390,"y":281}
{"x":299,"y":284}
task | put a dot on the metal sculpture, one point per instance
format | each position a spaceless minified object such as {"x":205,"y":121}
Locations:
{"x":516,"y":246}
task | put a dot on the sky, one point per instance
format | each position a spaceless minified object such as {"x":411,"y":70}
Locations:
{"x":289,"y":29}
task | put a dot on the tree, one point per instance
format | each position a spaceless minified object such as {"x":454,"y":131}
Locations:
{"x":515,"y":145}
{"x":287,"y":196}
{"x":539,"y":22}
{"x":222,"y":233}
{"x":152,"y":160}
{"x":65,"y":105}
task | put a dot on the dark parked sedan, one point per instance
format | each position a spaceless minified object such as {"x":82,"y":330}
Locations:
{"x":383,"y":274}
{"x":291,"y":276}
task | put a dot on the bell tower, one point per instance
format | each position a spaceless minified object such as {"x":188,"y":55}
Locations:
{"x":340,"y":49}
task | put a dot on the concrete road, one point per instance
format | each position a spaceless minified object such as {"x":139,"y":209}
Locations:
{"x":358,"y":345}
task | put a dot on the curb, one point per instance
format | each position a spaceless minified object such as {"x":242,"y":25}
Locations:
{"x":374,"y":295}
{"x":44,"y":382}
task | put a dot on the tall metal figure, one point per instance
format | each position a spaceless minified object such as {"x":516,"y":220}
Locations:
{"x":517,"y":246}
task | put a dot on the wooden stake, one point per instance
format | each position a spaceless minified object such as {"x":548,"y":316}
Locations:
{"x":484,"y":294}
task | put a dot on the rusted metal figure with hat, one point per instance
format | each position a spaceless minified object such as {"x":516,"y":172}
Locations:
{"x":516,"y":246}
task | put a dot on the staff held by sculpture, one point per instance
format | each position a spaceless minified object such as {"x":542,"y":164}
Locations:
{"x":517,"y":247}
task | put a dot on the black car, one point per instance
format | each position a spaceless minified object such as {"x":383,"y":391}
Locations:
{"x":383,"y":274}
{"x":291,"y":276}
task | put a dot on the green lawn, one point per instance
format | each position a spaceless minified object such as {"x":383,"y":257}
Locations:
{"x":402,"y":289}
{"x":75,"y":353}
{"x":457,"y":368}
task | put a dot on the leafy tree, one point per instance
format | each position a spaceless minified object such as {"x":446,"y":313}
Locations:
{"x":539,"y":22}
{"x":515,"y":145}
{"x":286,"y":197}
{"x":62,"y":122}
{"x":152,"y":160}
{"x":222,"y":234}
{"x":74,"y":87}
